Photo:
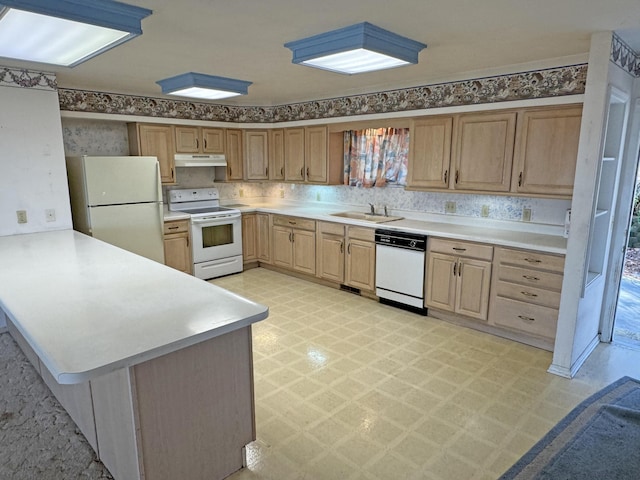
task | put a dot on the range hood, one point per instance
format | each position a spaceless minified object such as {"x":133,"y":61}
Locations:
{"x":200,"y":160}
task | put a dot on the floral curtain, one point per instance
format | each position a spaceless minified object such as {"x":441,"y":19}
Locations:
{"x":376,"y":157}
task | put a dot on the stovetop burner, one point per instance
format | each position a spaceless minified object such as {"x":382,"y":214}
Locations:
{"x":197,"y":202}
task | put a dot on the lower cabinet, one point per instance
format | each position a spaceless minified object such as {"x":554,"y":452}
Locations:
{"x":525,"y":293}
{"x":177,"y":245}
{"x":263,"y":237}
{"x":330,"y":251}
{"x":294,"y":243}
{"x":360,"y":261}
{"x":249,"y":238}
{"x":458,"y":277}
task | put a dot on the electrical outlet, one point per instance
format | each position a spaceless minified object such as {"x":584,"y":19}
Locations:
{"x":50,"y":215}
{"x":22,"y":216}
{"x":526,"y":214}
{"x":282,"y":193}
{"x":241,"y":192}
{"x":485,"y":211}
{"x":318,"y":197}
{"x":450,"y":207}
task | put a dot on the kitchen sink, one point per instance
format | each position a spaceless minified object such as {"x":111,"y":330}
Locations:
{"x":367,"y":217}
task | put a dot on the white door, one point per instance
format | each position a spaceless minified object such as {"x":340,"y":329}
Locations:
{"x":116,"y":180}
{"x":137,"y":228}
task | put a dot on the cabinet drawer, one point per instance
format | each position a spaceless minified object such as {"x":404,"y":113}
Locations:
{"x":360,"y":233}
{"x":176,"y":226}
{"x":542,"y":261}
{"x":331,"y":228}
{"x":461,"y":249}
{"x":295,"y":222}
{"x":530,"y":277}
{"x":528,"y":294}
{"x":525,"y":317}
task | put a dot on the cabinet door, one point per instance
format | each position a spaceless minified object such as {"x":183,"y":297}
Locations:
{"x":546,"y":151}
{"x":276,"y":154}
{"x":249,"y":249}
{"x":155,"y":141}
{"x":472,"y":290}
{"x":282,"y":247}
{"x":187,"y":139}
{"x":360,"y":264}
{"x":483,"y":151}
{"x":233,"y":154}
{"x":263,"y":236}
{"x":304,"y":251}
{"x":294,"y":155}
{"x":440,"y":285}
{"x":256,"y":154}
{"x":430,"y":153}
{"x":331,"y":257}
{"x":315,"y":154}
{"x":177,"y":252}
{"x":213,"y":140}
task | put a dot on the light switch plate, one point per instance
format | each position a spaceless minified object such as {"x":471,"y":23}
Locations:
{"x":485,"y":211}
{"x":450,"y":207}
{"x":526,"y":214}
{"x":22,"y":216}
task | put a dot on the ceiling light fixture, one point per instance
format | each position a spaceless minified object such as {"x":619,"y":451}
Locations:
{"x":65,"y":32}
{"x":362,"y":47}
{"x":205,"y":87}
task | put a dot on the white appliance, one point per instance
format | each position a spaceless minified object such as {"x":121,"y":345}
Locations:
{"x":216,"y":232}
{"x":400,"y":266}
{"x":118,"y":200}
{"x":199,"y":160}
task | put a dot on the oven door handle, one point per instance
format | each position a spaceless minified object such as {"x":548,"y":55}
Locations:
{"x":218,"y":219}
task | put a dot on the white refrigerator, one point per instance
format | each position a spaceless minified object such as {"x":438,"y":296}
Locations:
{"x":118,"y":200}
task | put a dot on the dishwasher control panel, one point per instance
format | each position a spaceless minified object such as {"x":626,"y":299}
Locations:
{"x":409,"y":241}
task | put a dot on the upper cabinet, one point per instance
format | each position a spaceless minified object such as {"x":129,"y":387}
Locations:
{"x":527,"y":152}
{"x":199,"y":140}
{"x":256,"y":151}
{"x":315,"y":154}
{"x":307,"y":159}
{"x":430,"y":153}
{"x":483,"y":151}
{"x":294,"y":154}
{"x":233,"y":153}
{"x":546,"y":151}
{"x":156,"y":141}
{"x":276,"y":154}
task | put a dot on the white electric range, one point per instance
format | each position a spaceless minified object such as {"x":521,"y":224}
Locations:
{"x":216,"y":231}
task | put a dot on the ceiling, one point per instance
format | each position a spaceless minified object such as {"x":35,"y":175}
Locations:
{"x":244,"y":39}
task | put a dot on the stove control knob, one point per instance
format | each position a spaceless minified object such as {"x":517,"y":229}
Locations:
{"x":413,"y":243}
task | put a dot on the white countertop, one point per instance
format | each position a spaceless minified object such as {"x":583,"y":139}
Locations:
{"x":88,"y":308}
{"x":475,"y":230}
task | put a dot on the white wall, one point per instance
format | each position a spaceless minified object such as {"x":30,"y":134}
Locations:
{"x":33,"y":175}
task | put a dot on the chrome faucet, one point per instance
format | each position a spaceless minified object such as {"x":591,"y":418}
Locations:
{"x":373,"y":209}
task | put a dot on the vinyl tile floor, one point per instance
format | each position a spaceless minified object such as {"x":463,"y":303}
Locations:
{"x":347,"y":388}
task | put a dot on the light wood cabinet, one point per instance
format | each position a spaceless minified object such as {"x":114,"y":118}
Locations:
{"x":525,"y":293}
{"x":276,"y":154}
{"x":482,"y":155}
{"x":315,"y":154}
{"x":294,"y":243}
{"x":263,"y":234}
{"x":233,"y":154}
{"x":155,"y":141}
{"x":249,"y":238}
{"x":199,"y":140}
{"x":177,"y":245}
{"x":430,"y":153}
{"x":546,"y":150}
{"x":458,"y":277}
{"x":360,"y":260}
{"x":256,"y":150}
{"x":294,"y":154}
{"x":330,"y":251}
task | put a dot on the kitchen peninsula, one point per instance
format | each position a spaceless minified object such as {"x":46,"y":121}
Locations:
{"x":153,"y":365}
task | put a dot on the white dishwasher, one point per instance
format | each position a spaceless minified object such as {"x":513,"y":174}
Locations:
{"x":400,"y":264}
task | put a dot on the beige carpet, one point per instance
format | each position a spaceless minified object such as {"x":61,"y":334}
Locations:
{"x":38,"y":440}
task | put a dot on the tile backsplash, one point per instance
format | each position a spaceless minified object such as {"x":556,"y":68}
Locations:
{"x":98,"y":137}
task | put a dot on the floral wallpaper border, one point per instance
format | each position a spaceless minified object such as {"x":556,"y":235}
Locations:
{"x":552,"y":82}
{"x":15,"y":77}
{"x":625,"y":57}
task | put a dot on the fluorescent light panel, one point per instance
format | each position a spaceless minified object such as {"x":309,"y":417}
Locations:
{"x":202,"y":86}
{"x":359,"y":48}
{"x":65,"y":32}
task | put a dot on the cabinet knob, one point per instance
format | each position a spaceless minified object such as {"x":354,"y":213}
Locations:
{"x":267,"y":171}
{"x":341,"y":247}
{"x":173,"y":228}
{"x":446,"y":176}
{"x":282,"y":171}
{"x":520,"y":180}
{"x":532,"y":260}
{"x":530,"y":277}
{"x":302,"y":173}
{"x":457,"y":176}
{"x":525,"y":318}
{"x":459,"y":249}
{"x":307,"y":172}
{"x":529,"y":294}
{"x":455,"y":268}
{"x":197,"y":143}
